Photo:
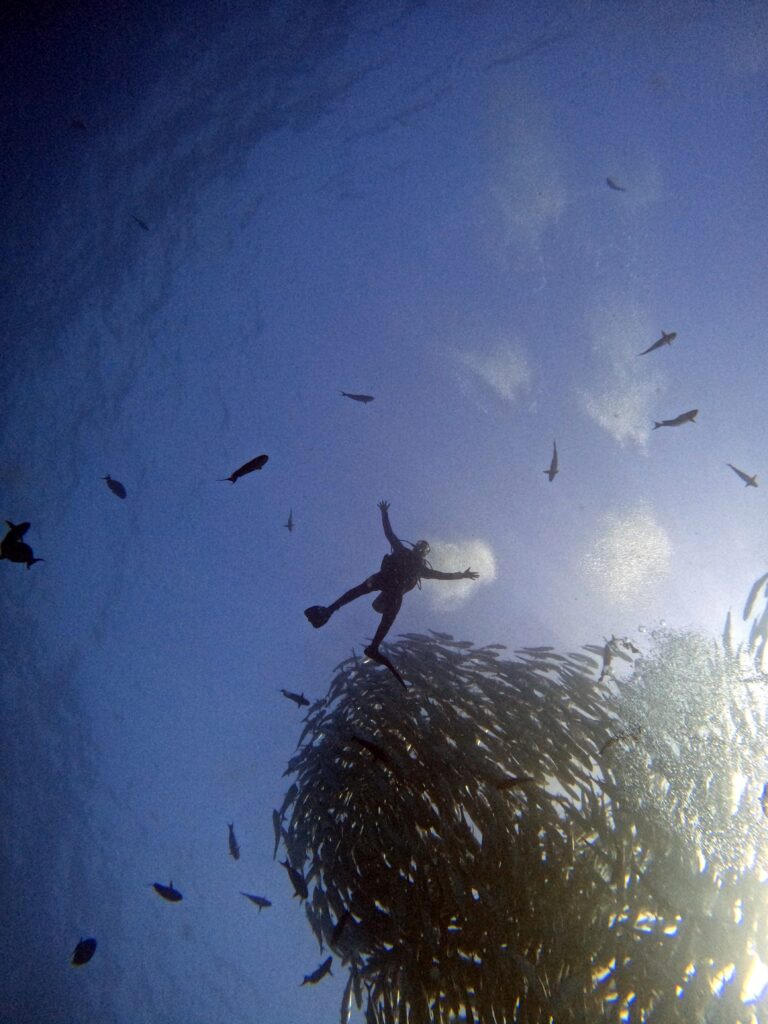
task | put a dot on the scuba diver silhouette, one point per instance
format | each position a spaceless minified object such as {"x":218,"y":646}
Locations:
{"x":400,"y":571}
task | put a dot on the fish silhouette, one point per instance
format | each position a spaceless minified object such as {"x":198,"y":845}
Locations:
{"x":14,"y":549}
{"x":553,"y":470}
{"x":260,"y":901}
{"x":83,"y":952}
{"x":320,"y":972}
{"x":298,"y":881}
{"x":378,"y":752}
{"x":749,"y":481}
{"x":665,"y":339}
{"x":248,"y":467}
{"x":298,"y":698}
{"x":115,"y":486}
{"x":339,"y":927}
{"x":357,"y":398}
{"x":684,"y":417}
{"x":234,"y":849}
{"x":289,"y":524}
{"x":614,"y":185}
{"x":142,"y":223}
{"x":167,"y":892}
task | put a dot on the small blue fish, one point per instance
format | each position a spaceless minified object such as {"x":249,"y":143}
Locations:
{"x":84,"y":950}
{"x":167,"y":892}
{"x":115,"y":486}
{"x":234,"y":849}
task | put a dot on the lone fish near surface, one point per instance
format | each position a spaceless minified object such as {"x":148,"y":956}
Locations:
{"x":316,"y":975}
{"x":749,"y":481}
{"x":115,"y":486}
{"x":167,"y":892}
{"x":248,"y":467}
{"x":665,"y":339}
{"x":260,"y":901}
{"x":234,"y":849}
{"x":684,"y":417}
{"x":357,"y":398}
{"x":553,"y":467}
{"x":83,"y":952}
{"x":298,"y":698}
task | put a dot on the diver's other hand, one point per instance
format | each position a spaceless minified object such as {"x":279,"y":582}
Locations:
{"x":384,"y":505}
{"x":468,"y":574}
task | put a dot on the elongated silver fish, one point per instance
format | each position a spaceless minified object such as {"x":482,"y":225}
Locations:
{"x":234,"y":849}
{"x":665,"y":339}
{"x":259,"y":901}
{"x":684,"y":417}
{"x":247,"y":467}
{"x":749,"y":481}
{"x":357,"y":398}
{"x":553,"y":467}
{"x":320,"y":972}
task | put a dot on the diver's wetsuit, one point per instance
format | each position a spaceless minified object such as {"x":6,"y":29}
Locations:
{"x":400,"y":572}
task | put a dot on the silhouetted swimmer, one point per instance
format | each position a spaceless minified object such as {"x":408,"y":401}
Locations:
{"x":298,"y":698}
{"x":316,"y":975}
{"x":289,"y":524}
{"x":614,"y":185}
{"x":13,"y":548}
{"x":400,"y":571}
{"x":167,"y":892}
{"x":298,"y":881}
{"x":142,"y":223}
{"x":116,"y":487}
{"x":234,"y":849}
{"x":684,"y":417}
{"x":260,"y":901}
{"x":248,"y":467}
{"x":665,"y":339}
{"x":357,"y":398}
{"x":84,"y":950}
{"x":553,"y":468}
{"x":749,"y":481}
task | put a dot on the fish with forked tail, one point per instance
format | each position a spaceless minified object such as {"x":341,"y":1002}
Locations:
{"x":357,"y":398}
{"x":684,"y":417}
{"x":665,"y":339}
{"x":749,"y":481}
{"x":298,"y":881}
{"x":259,"y":901}
{"x":320,"y":972}
{"x":553,"y":467}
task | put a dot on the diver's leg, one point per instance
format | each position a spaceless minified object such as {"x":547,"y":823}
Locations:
{"x":387,"y":619}
{"x":319,"y":615}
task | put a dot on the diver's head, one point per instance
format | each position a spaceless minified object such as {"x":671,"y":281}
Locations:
{"x":421,"y":548}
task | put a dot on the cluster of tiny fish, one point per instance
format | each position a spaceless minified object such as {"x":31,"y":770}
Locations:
{"x":514,"y":840}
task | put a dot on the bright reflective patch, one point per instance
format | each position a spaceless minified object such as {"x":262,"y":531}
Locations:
{"x":455,"y":557}
{"x":631,"y":554}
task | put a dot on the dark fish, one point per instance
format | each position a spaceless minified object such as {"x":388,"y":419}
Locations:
{"x":234,"y":849}
{"x":289,"y":524}
{"x":665,"y":339}
{"x":260,"y":901}
{"x":14,"y":549}
{"x":276,"y":825}
{"x":167,"y":892}
{"x":298,"y":698}
{"x":764,"y":798}
{"x":553,"y":470}
{"x":249,"y":467}
{"x":357,"y":398}
{"x":84,"y":950}
{"x":513,"y":780}
{"x":750,"y":481}
{"x":612,"y":184}
{"x":322,"y":970}
{"x":339,"y":927}
{"x":142,"y":223}
{"x":115,"y":486}
{"x":684,"y":417}
{"x":378,"y":752}
{"x":78,"y":124}
{"x":297,"y":880}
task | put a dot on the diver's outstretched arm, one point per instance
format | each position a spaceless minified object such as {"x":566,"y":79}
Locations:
{"x":435,"y":574}
{"x":391,"y":536}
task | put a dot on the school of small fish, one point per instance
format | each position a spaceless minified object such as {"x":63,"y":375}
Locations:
{"x":510,"y":840}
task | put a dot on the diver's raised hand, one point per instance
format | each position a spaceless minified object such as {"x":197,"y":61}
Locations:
{"x":469,"y":574}
{"x":384,"y":506}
